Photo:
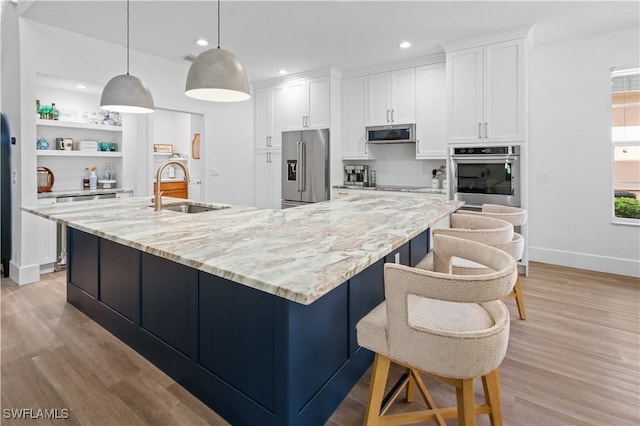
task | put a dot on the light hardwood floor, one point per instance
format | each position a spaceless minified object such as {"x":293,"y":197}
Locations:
{"x":574,"y":361}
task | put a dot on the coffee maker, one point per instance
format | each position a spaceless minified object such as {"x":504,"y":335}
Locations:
{"x":356,"y":176}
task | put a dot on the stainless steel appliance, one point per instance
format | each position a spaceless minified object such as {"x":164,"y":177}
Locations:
{"x":356,"y":176}
{"x":393,"y":133}
{"x":305,"y":167}
{"x":482,"y":175}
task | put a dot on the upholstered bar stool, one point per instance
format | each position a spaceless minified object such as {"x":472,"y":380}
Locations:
{"x":490,"y":230}
{"x":452,"y":327}
{"x":517,"y":217}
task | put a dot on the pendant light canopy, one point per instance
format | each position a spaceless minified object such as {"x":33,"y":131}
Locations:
{"x":126,"y":93}
{"x":217,"y":75}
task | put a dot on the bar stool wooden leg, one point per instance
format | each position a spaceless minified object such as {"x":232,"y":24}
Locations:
{"x":376,"y":390}
{"x":466,"y":403}
{"x":411,"y":389}
{"x":491,"y":385}
{"x":519,"y":299}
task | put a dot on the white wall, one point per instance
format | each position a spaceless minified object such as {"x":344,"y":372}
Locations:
{"x":570,"y":139}
{"x":226,"y":138}
{"x":10,"y":104}
{"x":396,"y":164}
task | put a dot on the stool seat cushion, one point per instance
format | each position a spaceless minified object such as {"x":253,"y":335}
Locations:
{"x":477,"y":330}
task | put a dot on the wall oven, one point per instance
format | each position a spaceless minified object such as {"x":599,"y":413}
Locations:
{"x":482,"y":175}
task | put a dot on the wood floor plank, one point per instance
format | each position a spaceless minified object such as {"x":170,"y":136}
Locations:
{"x":574,"y":361}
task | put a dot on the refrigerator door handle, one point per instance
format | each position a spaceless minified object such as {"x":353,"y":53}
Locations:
{"x":300,"y":171}
{"x":303,"y":172}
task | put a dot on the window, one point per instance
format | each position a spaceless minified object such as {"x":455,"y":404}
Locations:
{"x":625,"y":136}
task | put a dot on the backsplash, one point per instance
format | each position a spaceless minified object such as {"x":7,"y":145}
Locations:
{"x":396,"y":164}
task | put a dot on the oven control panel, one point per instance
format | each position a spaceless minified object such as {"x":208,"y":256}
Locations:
{"x":490,"y":150}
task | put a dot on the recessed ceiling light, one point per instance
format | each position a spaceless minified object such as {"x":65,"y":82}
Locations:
{"x":80,"y":86}
{"x":202,"y":42}
{"x":282,"y":72}
{"x":404,"y":45}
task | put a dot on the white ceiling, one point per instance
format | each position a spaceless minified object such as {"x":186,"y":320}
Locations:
{"x":307,"y":35}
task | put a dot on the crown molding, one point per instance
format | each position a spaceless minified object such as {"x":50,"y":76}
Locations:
{"x":285,"y":79}
{"x":521,"y":31}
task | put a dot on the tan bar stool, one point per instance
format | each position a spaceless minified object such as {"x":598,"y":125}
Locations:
{"x":452,"y":327}
{"x":517,"y":217}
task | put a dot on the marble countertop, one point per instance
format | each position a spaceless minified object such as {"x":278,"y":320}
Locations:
{"x":77,"y":192}
{"x":299,"y":254}
{"x":396,"y":188}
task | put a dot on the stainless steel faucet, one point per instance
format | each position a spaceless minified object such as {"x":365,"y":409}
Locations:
{"x":157,"y":196}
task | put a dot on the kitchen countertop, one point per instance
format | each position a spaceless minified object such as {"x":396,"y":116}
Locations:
{"x":78,"y":192}
{"x":299,"y":254}
{"x":396,"y":188}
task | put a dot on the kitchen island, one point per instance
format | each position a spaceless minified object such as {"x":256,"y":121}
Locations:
{"x":251,"y":310}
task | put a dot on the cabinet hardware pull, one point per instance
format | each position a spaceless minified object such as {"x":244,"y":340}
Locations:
{"x":486,"y":132}
{"x":392,"y":115}
{"x":387,"y":116}
{"x":479,"y":130}
{"x":418,"y":146}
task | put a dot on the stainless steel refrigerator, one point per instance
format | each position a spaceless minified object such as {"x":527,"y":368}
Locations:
{"x":305,"y":167}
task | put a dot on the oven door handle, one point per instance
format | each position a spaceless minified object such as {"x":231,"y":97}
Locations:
{"x":484,"y":158}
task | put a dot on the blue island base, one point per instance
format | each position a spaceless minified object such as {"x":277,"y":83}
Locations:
{"x":254,"y":358}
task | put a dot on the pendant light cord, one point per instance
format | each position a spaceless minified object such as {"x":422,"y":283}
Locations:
{"x":218,"y":24}
{"x":127,"y":37}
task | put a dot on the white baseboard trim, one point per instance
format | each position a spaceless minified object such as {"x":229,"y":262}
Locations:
{"x":24,"y":274}
{"x":591,"y":262}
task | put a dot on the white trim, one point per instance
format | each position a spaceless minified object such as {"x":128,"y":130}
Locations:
{"x":608,"y":264}
{"x":322,"y":72}
{"x":521,"y":31}
{"x":24,"y":274}
{"x":431,"y":59}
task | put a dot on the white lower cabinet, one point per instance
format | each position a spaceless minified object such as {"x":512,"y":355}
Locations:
{"x":47,"y":236}
{"x":267,"y":179}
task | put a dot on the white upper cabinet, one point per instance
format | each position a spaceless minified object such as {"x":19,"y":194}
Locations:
{"x":354,"y":119}
{"x":392,"y":98}
{"x":308,"y":104}
{"x":431,"y":99}
{"x":486,"y":93}
{"x":270,"y":116}
{"x":263,"y":113}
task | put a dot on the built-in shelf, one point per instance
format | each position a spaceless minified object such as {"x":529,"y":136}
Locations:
{"x":65,"y":153}
{"x":76,"y":125}
{"x":168,"y":154}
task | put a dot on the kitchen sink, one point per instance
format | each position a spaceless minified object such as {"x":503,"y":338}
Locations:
{"x":191,"y":207}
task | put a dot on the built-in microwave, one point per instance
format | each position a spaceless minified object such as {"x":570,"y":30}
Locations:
{"x":392,"y":133}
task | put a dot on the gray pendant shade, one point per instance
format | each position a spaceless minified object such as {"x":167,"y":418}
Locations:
{"x":217,"y":75}
{"x":126,"y":93}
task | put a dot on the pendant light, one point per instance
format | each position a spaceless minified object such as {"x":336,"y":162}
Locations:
{"x":217,"y":75}
{"x":126,"y":93}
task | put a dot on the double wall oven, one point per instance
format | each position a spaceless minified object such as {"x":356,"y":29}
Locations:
{"x":482,"y":175}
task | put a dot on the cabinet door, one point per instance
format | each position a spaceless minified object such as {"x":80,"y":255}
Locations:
{"x":464,"y":95}
{"x":267,"y":179}
{"x":279,"y":111}
{"x":354,"y":118}
{"x":263,"y":117}
{"x":504,"y":91}
{"x":262,"y":183}
{"x":431,"y":128}
{"x":318,"y":93}
{"x":379,"y":113}
{"x":275,"y":177}
{"x":47,"y":236}
{"x":403,"y":96}
{"x":296,"y":110}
